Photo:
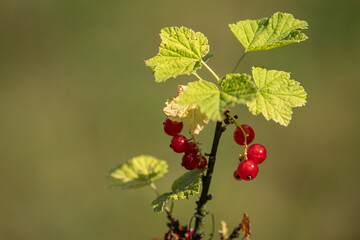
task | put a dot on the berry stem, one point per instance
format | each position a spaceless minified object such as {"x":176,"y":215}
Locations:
{"x":153,"y":187}
{"x":210,"y":70}
{"x":172,"y":206}
{"x":242,"y":129}
{"x":196,"y":75}
{"x":200,"y":209}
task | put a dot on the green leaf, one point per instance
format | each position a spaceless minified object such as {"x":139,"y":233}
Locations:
{"x":180,"y":52}
{"x":159,"y":203}
{"x":206,"y":95}
{"x":188,"y":184}
{"x":277,"y":95}
{"x":236,"y":88}
{"x":137,"y":172}
{"x":263,"y":34}
{"x":239,"y":87}
{"x":184,"y":187}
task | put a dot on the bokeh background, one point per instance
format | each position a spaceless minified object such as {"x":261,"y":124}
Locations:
{"x":77,"y":100}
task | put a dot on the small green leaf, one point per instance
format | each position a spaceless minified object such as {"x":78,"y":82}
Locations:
{"x":236,"y":88}
{"x":180,"y":52}
{"x":184,"y":187}
{"x":207,"y":57}
{"x":263,"y":34}
{"x":137,"y":172}
{"x":277,"y":95}
{"x":188,"y":184}
{"x":206,"y":95}
{"x":159,"y":203}
{"x":239,"y":87}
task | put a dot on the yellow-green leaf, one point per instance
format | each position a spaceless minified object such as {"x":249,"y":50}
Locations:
{"x":263,"y":34}
{"x":236,"y":88}
{"x":138,"y":172}
{"x":277,"y":95}
{"x":180,"y":52}
{"x":184,"y":187}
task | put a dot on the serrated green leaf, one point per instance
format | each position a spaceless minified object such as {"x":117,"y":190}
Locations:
{"x":206,"y":95}
{"x":239,"y":87}
{"x":159,"y":203}
{"x":277,"y":95}
{"x":180,"y":52}
{"x":184,"y":187}
{"x":236,"y":88}
{"x":138,"y":172}
{"x":263,"y":34}
{"x":188,"y":184}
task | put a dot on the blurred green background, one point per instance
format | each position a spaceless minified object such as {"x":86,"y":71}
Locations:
{"x":76,"y":100}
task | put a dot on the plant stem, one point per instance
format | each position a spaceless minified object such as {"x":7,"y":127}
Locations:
{"x":153,"y":187}
{"x":238,"y":63}
{"x":210,"y":70}
{"x":198,"y":77}
{"x":200,"y":209}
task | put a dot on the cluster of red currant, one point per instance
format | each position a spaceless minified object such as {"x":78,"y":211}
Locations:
{"x":254,"y":155}
{"x":192,"y":158}
{"x":175,"y":235}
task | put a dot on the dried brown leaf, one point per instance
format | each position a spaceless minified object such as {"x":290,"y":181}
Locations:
{"x":224,"y":228}
{"x":245,"y":226}
{"x":189,"y":115}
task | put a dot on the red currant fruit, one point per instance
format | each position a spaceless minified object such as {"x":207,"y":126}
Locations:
{"x":202,"y":164}
{"x":179,"y":143}
{"x":239,"y":135}
{"x":236,"y":176}
{"x":188,"y":235}
{"x":172,"y":128}
{"x":190,"y":161}
{"x":247,"y":170}
{"x":257,"y":153}
{"x":191,"y":148}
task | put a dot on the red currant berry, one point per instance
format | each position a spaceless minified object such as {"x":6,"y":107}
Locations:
{"x":239,"y":135}
{"x":257,"y":153}
{"x":187,"y":235}
{"x":236,"y":176}
{"x":191,"y":148}
{"x":247,"y":170}
{"x":172,"y":128}
{"x":202,"y":164}
{"x":179,"y":143}
{"x":190,"y":161}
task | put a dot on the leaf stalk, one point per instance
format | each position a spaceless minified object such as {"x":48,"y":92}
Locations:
{"x":238,"y":63}
{"x":211,"y":71}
